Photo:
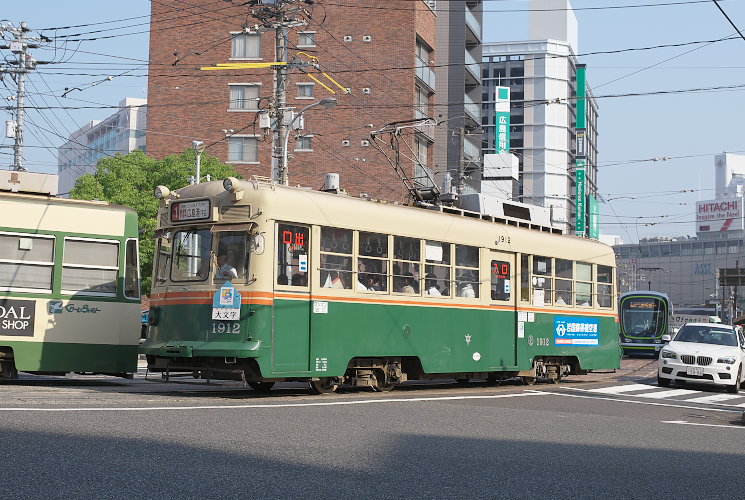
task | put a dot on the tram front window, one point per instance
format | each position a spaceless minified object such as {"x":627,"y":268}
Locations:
{"x":191,"y":255}
{"x":232,"y":255}
{"x":643,"y":317}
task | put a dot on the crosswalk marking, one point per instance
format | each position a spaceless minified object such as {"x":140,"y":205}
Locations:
{"x":668,"y":394}
{"x":715,"y":398}
{"x":619,"y":389}
{"x":649,"y":391}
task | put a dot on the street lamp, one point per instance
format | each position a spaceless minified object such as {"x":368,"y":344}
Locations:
{"x":328,"y":102}
{"x":199,"y":149}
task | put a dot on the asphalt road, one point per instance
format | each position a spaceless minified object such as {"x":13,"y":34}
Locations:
{"x":610,"y":435}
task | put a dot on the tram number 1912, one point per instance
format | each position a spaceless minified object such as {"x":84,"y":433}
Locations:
{"x":226,"y":327}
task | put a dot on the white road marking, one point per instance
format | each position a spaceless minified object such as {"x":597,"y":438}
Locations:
{"x":635,"y":402}
{"x":280,"y":405}
{"x":618,"y":389}
{"x":683,"y":422}
{"x":668,"y":394}
{"x":715,"y":398}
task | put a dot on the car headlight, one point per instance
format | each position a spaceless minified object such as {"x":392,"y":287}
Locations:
{"x":729,"y":360}
{"x":668,"y":354}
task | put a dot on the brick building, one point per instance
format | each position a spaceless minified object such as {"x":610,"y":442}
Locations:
{"x":382,"y":51}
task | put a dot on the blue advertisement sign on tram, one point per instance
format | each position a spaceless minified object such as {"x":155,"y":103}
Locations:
{"x":574,"y":330}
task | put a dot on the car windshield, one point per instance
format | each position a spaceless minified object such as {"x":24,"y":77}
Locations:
{"x":707,"y":335}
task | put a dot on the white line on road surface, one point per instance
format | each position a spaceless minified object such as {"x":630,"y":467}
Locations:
{"x":623,"y":388}
{"x":646,"y":403}
{"x":282,"y":405}
{"x":715,"y":398}
{"x":683,"y":422}
{"x":668,"y":394}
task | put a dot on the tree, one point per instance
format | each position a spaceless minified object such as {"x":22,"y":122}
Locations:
{"x":129,"y":180}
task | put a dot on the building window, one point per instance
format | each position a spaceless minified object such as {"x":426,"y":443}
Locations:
{"x":243,"y":149}
{"x":304,"y":143}
{"x":305,"y":90}
{"x":244,"y":97}
{"x":421,"y":109}
{"x":306,"y":39}
{"x":246,"y":46}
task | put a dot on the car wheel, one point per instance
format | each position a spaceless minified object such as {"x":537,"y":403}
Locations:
{"x":735,"y":388}
{"x":663,"y":382}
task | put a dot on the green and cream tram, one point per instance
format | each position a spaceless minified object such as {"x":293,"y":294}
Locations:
{"x":272,"y":283}
{"x":69,"y":282}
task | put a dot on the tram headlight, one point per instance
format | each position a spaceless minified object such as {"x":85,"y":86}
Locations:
{"x":668,"y":354}
{"x":161,"y":192}
{"x":231,"y":184}
{"x":727,"y":360}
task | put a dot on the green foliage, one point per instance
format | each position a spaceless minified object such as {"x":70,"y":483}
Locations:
{"x":129,"y":180}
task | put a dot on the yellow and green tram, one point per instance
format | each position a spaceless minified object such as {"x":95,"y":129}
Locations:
{"x":272,"y":283}
{"x":69,"y":284}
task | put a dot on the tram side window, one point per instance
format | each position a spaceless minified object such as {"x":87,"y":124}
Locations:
{"x":542,"y":280}
{"x":437,"y":278}
{"x":191,"y":255}
{"x":131,"y":271}
{"x":406,"y":271}
{"x":26,"y":262}
{"x":525,"y":278}
{"x":605,"y":291}
{"x":564,"y":275}
{"x":336,"y":258}
{"x":583,"y":284}
{"x":90,"y":267}
{"x":372,"y":263}
{"x":232,"y":255}
{"x":292,"y":255}
{"x":467,"y":282}
{"x":164,"y":260}
{"x":500,"y":280}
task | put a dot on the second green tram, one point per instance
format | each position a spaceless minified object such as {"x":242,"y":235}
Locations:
{"x":644,"y":317}
{"x":272,"y":283}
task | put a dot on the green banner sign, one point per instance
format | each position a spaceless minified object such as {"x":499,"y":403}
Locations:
{"x":502,"y":120}
{"x":594,"y":209}
{"x":580,"y":225}
{"x":581,"y":96}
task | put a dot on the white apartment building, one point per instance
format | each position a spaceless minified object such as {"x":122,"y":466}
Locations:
{"x":122,"y":132}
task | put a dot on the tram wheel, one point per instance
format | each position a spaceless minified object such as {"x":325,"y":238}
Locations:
{"x":528,"y":380}
{"x":261,"y":386}
{"x":325,"y":385}
{"x":492,"y":379}
{"x":462,"y":381}
{"x":383,"y":385}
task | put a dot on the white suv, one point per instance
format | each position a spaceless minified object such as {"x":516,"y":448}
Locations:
{"x":706,"y":353}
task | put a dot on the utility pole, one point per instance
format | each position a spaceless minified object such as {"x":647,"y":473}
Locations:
{"x":17,"y":69}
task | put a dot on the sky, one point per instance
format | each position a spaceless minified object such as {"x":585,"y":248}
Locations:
{"x":641,"y":197}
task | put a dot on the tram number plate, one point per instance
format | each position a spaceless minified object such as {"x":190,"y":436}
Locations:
{"x":694,"y":370}
{"x":225,"y":327}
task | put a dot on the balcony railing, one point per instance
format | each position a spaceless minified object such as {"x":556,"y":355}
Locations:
{"x":471,"y":151}
{"x":472,"y":22}
{"x":473,"y":66}
{"x":472,"y":108}
{"x":425,"y":74}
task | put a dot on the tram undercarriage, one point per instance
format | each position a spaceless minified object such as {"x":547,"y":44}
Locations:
{"x":379,"y":374}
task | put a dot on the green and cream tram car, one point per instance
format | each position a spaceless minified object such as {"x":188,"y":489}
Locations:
{"x":69,"y":282}
{"x":272,"y":283}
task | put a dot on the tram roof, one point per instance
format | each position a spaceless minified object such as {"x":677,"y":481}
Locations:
{"x":304,"y":205}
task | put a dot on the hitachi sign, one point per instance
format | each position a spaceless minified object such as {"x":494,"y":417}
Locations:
{"x":717,"y":206}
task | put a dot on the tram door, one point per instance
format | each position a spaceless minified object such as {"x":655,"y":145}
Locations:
{"x":503,"y":297}
{"x":291,"y":310}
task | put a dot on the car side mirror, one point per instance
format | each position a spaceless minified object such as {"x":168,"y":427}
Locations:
{"x":666,"y":338}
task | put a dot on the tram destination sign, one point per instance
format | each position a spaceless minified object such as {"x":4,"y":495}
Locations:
{"x":733,"y":276}
{"x":190,"y":210}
